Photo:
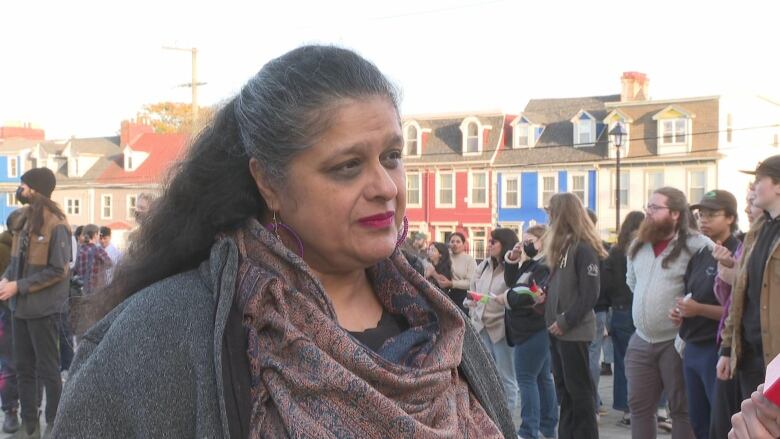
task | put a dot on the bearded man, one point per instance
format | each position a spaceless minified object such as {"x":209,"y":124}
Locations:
{"x":657,"y":262}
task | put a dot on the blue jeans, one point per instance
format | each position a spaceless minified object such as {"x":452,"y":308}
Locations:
{"x":594,"y":352}
{"x":537,"y":389}
{"x":621,"y":331}
{"x":699,"y":361}
{"x":505,"y":363}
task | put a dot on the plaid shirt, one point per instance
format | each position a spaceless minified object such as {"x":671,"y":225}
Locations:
{"x":91,"y":265}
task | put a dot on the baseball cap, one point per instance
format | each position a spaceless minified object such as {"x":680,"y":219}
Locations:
{"x":718,"y":200}
{"x":769,"y":167}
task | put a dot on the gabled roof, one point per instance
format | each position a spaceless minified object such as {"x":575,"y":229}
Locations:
{"x":101,"y":146}
{"x":163,"y":149}
{"x":444,"y":143}
{"x":16,"y":145}
{"x":674,"y":110}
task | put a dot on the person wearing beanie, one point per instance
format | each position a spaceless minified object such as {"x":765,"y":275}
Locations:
{"x":36,"y":282}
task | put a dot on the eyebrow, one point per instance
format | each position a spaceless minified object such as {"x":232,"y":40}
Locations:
{"x":390,"y":140}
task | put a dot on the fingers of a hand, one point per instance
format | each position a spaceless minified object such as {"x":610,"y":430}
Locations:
{"x":755,"y":428}
{"x":738,"y":428}
{"x":766,"y":412}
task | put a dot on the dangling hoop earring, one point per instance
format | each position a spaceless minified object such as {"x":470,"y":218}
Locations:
{"x":402,"y":236}
{"x":274,"y":227}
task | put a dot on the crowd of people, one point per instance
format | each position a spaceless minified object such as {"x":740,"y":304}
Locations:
{"x":240,"y":310}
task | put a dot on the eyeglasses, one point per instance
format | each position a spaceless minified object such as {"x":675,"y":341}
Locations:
{"x":700,"y":215}
{"x":655,"y":208}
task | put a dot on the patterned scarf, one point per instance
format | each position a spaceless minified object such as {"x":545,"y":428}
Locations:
{"x":311,"y":379}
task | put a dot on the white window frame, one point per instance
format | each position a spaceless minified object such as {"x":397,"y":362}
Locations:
{"x":75,"y":208}
{"x":15,"y":168}
{"x":577,"y":122}
{"x":417,"y":140}
{"x":504,"y":191}
{"x":540,"y":186}
{"x":418,"y":176}
{"x":473,"y":240}
{"x":103,"y":206}
{"x":441,"y":229}
{"x":439,"y":203}
{"x":648,"y":191}
{"x":131,"y":206}
{"x":516,"y":227}
{"x":626,"y":188}
{"x":464,"y":129}
{"x":570,"y":184}
{"x":471,"y":202}
{"x":674,"y":121}
{"x":689,"y":179}
{"x":10,"y":199}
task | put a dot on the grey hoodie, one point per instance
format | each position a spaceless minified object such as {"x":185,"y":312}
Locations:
{"x":153,"y":367}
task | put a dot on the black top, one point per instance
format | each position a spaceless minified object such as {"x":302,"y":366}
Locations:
{"x":602,"y":304}
{"x":751,"y":319}
{"x":389,"y":326}
{"x":524,"y":319}
{"x":700,"y":282}
{"x":613,"y":280}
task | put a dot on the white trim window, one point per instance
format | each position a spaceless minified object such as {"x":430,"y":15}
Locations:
{"x":624,"y":144}
{"x":132,"y":200}
{"x":413,"y":189}
{"x":653,"y":180}
{"x":443,"y":233}
{"x":584,"y":128}
{"x":625,"y":181}
{"x":478,"y":189}
{"x":524,"y":135}
{"x":515,"y":227}
{"x":73,"y":206}
{"x":412,"y":139}
{"x":578,"y":185}
{"x":674,"y":131}
{"x":106,"y":206}
{"x":472,"y":129}
{"x":697,"y":185}
{"x":10,"y":199}
{"x":13,"y":166}
{"x":510,"y":191}
{"x":445,"y":189}
{"x":478,"y":242}
{"x":548,"y":186}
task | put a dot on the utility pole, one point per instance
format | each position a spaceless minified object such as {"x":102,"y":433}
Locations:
{"x":194,"y":84}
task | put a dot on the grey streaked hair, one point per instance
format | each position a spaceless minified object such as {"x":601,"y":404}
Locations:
{"x":286,"y":107}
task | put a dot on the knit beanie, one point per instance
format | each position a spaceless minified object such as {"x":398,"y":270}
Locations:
{"x":42,"y":180}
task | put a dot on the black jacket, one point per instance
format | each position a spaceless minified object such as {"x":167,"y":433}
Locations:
{"x":613,"y":281}
{"x":524,"y":318}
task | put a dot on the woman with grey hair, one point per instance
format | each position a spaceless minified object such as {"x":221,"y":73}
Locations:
{"x":266,"y":297}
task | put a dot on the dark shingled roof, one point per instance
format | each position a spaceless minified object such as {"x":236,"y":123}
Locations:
{"x":445,"y":141}
{"x":556,"y":142}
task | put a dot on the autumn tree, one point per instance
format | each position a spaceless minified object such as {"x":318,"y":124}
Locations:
{"x":175,"y":117}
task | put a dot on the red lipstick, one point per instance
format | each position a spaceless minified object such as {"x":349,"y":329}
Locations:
{"x":379,"y":221}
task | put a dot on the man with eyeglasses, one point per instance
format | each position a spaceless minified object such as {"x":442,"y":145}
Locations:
{"x":751,"y":335}
{"x":656,"y":265}
{"x":699,"y":313}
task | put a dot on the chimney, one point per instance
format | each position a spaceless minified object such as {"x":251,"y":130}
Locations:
{"x":635,"y":87}
{"x":131,"y":130}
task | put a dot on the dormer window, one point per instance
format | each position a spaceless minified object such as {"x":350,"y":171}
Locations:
{"x":584,"y":129}
{"x":525,"y":133}
{"x":472,"y":131}
{"x":625,"y":121}
{"x":412,"y":139}
{"x":674,"y":130}
{"x":472,"y":138}
{"x":129,"y":162}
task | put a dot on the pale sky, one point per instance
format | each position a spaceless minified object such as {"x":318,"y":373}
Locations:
{"x":80,"y":67}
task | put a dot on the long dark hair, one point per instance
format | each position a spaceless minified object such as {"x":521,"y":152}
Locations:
{"x":280,"y":112}
{"x":444,"y":266}
{"x":676,"y":202}
{"x":628,"y":229}
{"x":39,"y":202}
{"x":508,"y":238}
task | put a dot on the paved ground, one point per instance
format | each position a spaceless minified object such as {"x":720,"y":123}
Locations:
{"x":607,"y":424}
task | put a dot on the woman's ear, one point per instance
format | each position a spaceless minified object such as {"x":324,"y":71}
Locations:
{"x":266,"y":190}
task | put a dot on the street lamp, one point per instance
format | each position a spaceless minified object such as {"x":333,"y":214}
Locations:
{"x":617,"y":133}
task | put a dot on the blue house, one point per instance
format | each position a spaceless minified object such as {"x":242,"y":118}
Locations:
{"x":13,"y":163}
{"x":556,"y":146}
